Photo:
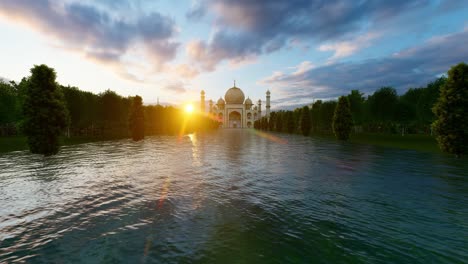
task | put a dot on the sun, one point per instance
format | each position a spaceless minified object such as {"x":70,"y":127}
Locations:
{"x":189,"y":108}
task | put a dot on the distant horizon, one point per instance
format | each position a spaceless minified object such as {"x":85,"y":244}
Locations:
{"x":174,"y":50}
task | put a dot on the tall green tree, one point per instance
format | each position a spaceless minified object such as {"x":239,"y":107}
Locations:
{"x":75,"y":103}
{"x":305,"y":121}
{"x":271,"y":122}
{"x":383,"y":104}
{"x":137,"y":119}
{"x":279,"y":122}
{"x":110,"y":111}
{"x":290,"y":122}
{"x":264,"y":123}
{"x":451,"y":111}
{"x":404,"y":114}
{"x":356,"y":103}
{"x":45,"y":112}
{"x":9,"y":111}
{"x":316,"y":116}
{"x":327,"y":110}
{"x":427,"y":100}
{"x":342,"y":119}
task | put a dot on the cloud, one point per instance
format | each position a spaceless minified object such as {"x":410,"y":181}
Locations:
{"x":303,"y":67}
{"x":197,"y":51}
{"x":196,"y":12}
{"x":248,"y":28}
{"x":343,"y":49}
{"x":177,"y":87}
{"x":185,"y":71}
{"x":413,"y":67}
{"x":97,"y":33}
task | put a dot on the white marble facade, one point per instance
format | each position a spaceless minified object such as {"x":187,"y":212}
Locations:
{"x":234,"y":111}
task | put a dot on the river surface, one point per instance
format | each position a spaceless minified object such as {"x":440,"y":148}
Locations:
{"x":233,"y":196}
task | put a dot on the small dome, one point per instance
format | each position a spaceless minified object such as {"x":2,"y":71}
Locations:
{"x":220,"y":101}
{"x":248,"y":101}
{"x":234,"y":96}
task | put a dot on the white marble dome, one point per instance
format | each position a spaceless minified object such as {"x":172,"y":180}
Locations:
{"x":234,"y":96}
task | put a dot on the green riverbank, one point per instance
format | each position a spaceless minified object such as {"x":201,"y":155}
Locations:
{"x":425,"y":143}
{"x":15,"y":143}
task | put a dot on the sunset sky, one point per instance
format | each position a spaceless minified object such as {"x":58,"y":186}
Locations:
{"x":300,"y":50}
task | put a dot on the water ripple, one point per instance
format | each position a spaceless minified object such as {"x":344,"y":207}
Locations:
{"x":232,"y":197}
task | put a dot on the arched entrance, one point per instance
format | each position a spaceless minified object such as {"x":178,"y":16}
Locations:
{"x":235,"y":120}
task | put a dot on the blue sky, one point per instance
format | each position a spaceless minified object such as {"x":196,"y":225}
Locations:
{"x":300,"y":50}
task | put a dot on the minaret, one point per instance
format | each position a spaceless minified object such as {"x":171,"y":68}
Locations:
{"x":259,"y":108}
{"x":202,"y":102}
{"x":211,"y":106}
{"x":268,"y":104}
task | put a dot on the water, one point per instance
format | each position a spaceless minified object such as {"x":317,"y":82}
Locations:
{"x":233,"y":196}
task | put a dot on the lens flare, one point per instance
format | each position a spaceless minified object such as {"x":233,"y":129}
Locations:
{"x":269,"y":136}
{"x":189,"y":108}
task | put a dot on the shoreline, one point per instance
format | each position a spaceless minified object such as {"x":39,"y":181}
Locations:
{"x":418,"y":142}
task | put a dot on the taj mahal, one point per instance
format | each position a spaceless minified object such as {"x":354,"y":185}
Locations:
{"x":234,"y":111}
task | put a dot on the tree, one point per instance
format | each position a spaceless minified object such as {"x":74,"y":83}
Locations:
{"x":45,"y":112}
{"x":342,"y":119}
{"x":137,"y":121}
{"x":327,"y":110}
{"x":279,"y":122}
{"x":383,"y":104}
{"x":264,"y":123}
{"x":427,"y":100}
{"x":290,"y":122}
{"x":451,"y":111}
{"x":110,"y":111}
{"x":356,"y":103}
{"x":75,"y":102}
{"x":315,"y":113}
{"x":271,"y":122}
{"x":406,"y":110}
{"x":305,"y":121}
{"x":404,"y":114}
{"x":8,"y":103}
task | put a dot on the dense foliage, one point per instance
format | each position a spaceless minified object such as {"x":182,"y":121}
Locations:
{"x":45,"y":114}
{"x":137,"y":119}
{"x":105,"y":115}
{"x":384,"y":111}
{"x":451,"y":110}
{"x":342,"y":119}
{"x":305,"y":121}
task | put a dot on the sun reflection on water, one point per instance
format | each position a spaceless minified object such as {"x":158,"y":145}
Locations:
{"x":195,"y":150}
{"x":164,"y":192}
{"x":269,"y":136}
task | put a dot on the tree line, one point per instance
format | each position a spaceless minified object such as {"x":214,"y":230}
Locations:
{"x":441,"y":107}
{"x":382,"y":112}
{"x":38,"y":99}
